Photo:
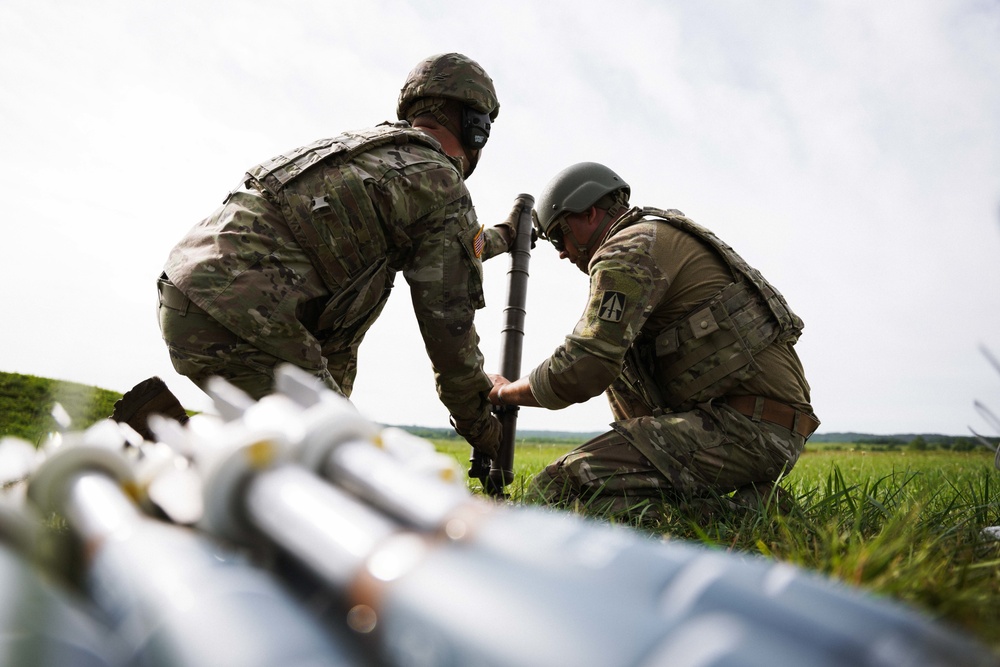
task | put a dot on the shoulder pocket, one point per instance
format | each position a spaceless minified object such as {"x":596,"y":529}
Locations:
{"x":473,"y":239}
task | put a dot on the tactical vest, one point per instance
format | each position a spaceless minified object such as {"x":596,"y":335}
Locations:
{"x":336,"y":225}
{"x":710,"y":349}
{"x":277,"y":172}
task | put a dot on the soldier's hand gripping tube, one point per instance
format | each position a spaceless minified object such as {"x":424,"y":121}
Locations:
{"x":495,"y":475}
{"x":173,"y":596}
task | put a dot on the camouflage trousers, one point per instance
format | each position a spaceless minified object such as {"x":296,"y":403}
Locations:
{"x":201,"y":348}
{"x":708,"y":451}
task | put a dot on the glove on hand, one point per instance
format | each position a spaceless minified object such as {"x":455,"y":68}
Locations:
{"x":509,"y":226}
{"x":483,"y":435}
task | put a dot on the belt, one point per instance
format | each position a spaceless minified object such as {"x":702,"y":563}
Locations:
{"x":173,"y":298}
{"x":763,"y":409}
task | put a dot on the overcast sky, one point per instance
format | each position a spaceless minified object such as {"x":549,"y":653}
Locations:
{"x":850,"y":150}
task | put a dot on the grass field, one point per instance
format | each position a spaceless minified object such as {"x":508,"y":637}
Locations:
{"x":905,"y":525}
{"x":26,"y":403}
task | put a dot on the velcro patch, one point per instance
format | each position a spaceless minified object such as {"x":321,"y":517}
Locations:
{"x":612,"y":307}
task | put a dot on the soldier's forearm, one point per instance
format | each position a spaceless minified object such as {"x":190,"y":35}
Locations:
{"x":514,"y":393}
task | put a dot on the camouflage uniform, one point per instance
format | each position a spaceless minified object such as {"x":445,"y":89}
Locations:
{"x":676,"y":326}
{"x":299,"y":261}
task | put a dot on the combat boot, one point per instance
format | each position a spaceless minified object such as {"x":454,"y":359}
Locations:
{"x":149,"y":397}
{"x":765,"y":495}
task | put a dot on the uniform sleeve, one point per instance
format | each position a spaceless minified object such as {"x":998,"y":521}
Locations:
{"x":445,"y":278}
{"x":625,"y":285}
{"x":495,"y":243}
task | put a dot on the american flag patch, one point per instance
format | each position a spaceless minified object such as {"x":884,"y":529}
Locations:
{"x":479,"y":242}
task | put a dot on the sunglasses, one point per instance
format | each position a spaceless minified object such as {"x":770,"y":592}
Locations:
{"x":556,"y":236}
{"x":556,"y":233}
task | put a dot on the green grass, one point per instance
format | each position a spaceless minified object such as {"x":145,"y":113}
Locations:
{"x":904,"y":525}
{"x":26,"y":404}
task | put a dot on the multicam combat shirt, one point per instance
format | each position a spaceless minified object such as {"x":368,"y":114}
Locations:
{"x":646,"y":277}
{"x":301,"y":257}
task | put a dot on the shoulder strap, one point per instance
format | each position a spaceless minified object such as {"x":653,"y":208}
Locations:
{"x":272,"y":176}
{"x":742,"y":271}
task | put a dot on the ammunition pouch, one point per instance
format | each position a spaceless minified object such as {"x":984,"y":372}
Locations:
{"x":704,"y":354}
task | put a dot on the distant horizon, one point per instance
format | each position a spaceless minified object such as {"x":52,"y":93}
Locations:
{"x":814,"y":436}
{"x":590,"y":432}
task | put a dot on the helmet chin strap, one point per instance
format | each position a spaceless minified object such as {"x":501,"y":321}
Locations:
{"x":435,"y":107}
{"x":473,"y":157}
{"x":585,"y":250}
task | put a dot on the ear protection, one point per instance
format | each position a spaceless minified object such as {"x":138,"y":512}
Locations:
{"x":475,"y":128}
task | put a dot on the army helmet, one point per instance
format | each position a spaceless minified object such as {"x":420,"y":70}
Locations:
{"x":574,"y":189}
{"x":451,"y":76}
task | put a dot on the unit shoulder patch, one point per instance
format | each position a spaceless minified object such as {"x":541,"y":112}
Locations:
{"x":612,"y":307}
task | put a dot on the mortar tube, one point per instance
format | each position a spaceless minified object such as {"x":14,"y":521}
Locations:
{"x":511,"y":342}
